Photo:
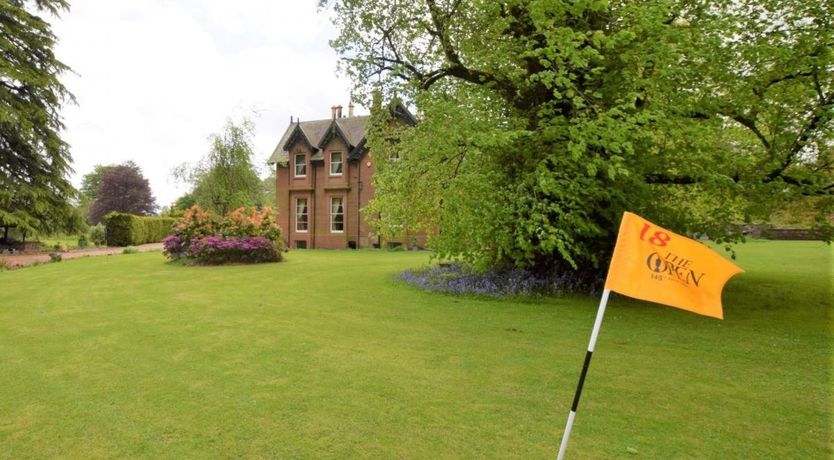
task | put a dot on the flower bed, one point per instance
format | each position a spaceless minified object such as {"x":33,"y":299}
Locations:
{"x":244,"y":236}
{"x":456,"y":279}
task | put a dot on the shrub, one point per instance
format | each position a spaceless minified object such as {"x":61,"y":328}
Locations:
{"x":130,"y":250}
{"x":242,"y":236}
{"x":97,"y":235}
{"x":83,"y":242}
{"x":128,"y":229}
{"x":215,"y":250}
{"x":55,"y":257}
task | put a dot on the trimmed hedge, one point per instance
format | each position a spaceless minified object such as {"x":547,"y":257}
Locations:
{"x":128,"y":229}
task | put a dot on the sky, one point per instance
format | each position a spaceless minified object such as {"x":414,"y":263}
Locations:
{"x":154,"y":79}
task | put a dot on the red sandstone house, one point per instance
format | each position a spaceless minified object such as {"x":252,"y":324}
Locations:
{"x":323,"y":179}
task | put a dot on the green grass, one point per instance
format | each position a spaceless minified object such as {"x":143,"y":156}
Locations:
{"x":326,"y":356}
{"x":49,"y":242}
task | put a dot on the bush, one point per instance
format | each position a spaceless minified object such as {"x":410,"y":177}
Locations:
{"x":82,"y":241}
{"x":130,"y":250}
{"x":242,"y":236}
{"x":128,"y":229}
{"x":215,"y":250}
{"x":55,"y":257}
{"x":97,"y":235}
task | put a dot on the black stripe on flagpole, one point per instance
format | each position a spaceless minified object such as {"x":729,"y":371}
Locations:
{"x":581,"y":380}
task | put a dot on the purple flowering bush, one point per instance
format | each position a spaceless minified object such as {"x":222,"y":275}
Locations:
{"x":243,"y":237}
{"x":215,"y":250}
{"x":457,"y":279}
{"x":173,"y":246}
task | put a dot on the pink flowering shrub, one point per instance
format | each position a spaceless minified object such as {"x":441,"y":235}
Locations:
{"x":243,"y":236}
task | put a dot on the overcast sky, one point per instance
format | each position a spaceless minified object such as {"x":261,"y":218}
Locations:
{"x":154,"y":78}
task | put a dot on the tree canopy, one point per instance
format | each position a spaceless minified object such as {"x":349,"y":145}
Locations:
{"x":543,"y":120}
{"x":92,"y":180}
{"x":226,"y":179}
{"x":35,"y":191}
{"x":122,"y":188}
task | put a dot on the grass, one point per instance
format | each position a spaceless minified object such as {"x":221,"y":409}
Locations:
{"x":326,"y":356}
{"x":48,"y":242}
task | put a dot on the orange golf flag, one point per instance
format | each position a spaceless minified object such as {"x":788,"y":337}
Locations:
{"x":654,"y":264}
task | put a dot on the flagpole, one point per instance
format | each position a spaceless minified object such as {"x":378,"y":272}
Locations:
{"x":591,"y":344}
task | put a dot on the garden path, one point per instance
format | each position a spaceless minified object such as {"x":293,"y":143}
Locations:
{"x":23,"y":260}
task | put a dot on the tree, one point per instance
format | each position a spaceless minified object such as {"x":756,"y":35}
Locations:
{"x":269,"y":186}
{"x":184,"y":202}
{"x":123,"y":188}
{"x":92,"y":181}
{"x":35,"y":191}
{"x":543,"y":120}
{"x":226,"y":179}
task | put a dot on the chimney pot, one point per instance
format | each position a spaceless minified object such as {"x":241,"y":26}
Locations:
{"x":338,"y":111}
{"x":333,"y":111}
{"x":350,"y":109}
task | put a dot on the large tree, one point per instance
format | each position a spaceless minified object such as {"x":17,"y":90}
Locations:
{"x":122,"y":188}
{"x":92,"y":180}
{"x":35,"y":192}
{"x":226,"y":178}
{"x":543,"y":120}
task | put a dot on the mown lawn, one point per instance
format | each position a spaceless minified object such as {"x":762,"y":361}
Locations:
{"x":326,"y":356}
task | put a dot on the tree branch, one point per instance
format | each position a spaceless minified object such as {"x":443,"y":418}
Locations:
{"x":821,"y":115}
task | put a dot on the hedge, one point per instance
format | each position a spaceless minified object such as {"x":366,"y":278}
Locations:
{"x":128,"y":229}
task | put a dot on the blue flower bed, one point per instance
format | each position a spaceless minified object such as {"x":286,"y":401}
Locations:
{"x":456,"y":279}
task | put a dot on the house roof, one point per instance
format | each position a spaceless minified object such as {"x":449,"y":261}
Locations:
{"x":318,"y":132}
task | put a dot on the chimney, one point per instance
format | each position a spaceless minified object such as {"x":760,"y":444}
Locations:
{"x":350,"y":109}
{"x":290,"y":119}
{"x":333,"y":111}
{"x":338,"y":111}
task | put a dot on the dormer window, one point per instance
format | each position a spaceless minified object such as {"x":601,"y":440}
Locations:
{"x":300,"y":164}
{"x":335,"y":163}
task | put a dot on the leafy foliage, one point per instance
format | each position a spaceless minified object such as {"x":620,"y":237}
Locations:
{"x":270,"y":188}
{"x":543,"y":120}
{"x":97,"y":235}
{"x":183,"y":203}
{"x":226,"y":178}
{"x":91,"y":181}
{"x":123,"y":189}
{"x":35,"y":192}
{"x":128,"y":229}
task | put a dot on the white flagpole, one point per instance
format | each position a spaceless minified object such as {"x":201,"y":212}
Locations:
{"x":593,"y":342}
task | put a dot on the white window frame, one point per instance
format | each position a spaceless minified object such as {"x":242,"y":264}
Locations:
{"x":341,"y":163}
{"x":296,"y":164}
{"x":332,"y":214}
{"x":307,"y":214}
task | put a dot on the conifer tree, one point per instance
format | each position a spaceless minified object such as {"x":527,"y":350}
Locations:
{"x":35,"y":192}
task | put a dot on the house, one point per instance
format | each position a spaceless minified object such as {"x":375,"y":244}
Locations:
{"x":323,"y":179}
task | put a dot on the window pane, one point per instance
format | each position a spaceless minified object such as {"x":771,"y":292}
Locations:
{"x":336,"y":163}
{"x":337,"y":215}
{"x":301,"y":215}
{"x":300,"y":165}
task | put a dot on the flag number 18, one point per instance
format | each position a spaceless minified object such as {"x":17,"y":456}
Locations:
{"x":658,"y":239}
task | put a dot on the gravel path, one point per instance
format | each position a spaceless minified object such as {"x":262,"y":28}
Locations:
{"x":23,"y":260}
